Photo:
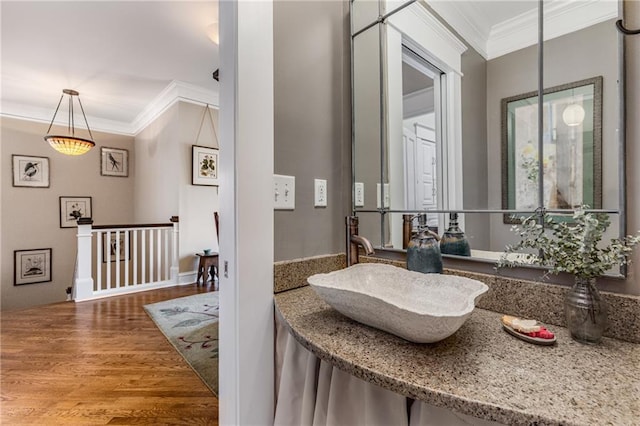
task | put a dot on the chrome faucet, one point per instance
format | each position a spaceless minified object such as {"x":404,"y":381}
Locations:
{"x":354,"y":241}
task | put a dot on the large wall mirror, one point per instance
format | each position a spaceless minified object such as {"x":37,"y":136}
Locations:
{"x":445,"y":115}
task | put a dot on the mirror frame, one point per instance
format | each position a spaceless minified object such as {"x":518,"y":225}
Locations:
{"x":383,"y":211}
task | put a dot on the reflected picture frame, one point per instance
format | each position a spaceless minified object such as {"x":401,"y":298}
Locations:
{"x":204,"y":163}
{"x":32,"y":266}
{"x":572,"y":148}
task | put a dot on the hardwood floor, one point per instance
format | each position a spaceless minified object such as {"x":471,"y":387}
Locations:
{"x":98,"y":363}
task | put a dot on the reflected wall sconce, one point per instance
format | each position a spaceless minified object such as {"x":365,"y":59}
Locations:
{"x":70,"y":144}
{"x":573,"y":115}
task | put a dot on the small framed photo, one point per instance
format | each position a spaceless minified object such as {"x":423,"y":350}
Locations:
{"x":72,"y":209}
{"x":31,"y":172}
{"x":115,"y":247}
{"x":204,"y":161}
{"x":114,"y":162}
{"x":32,"y":266}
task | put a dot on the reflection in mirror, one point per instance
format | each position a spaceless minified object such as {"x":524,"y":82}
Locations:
{"x":439,"y":142}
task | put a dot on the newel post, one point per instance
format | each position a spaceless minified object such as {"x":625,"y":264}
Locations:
{"x":83,"y":283}
{"x":175,"y":267}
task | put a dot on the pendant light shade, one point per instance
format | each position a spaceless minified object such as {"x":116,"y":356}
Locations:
{"x":70,"y":144}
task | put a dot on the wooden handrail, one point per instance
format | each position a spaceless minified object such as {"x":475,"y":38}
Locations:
{"x":141,"y":225}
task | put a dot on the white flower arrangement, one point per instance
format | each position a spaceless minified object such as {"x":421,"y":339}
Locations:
{"x":572,"y":247}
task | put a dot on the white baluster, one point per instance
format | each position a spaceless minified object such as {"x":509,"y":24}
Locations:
{"x":127,"y":255}
{"x":108,"y":253}
{"x":99,"y":255}
{"x":118,"y":259}
{"x":143,"y":273}
{"x":175,"y":268}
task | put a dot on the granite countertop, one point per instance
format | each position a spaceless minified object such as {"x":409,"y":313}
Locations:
{"x":481,"y":370}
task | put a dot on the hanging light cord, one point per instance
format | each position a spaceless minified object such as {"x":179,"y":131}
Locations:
{"x":55,"y":113}
{"x":85,"y":117}
{"x":206,"y":109}
{"x":71,"y":122}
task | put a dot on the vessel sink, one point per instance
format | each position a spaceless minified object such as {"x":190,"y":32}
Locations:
{"x":421,"y":308}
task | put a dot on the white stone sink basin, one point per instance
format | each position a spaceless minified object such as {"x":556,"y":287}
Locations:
{"x":421,"y":308}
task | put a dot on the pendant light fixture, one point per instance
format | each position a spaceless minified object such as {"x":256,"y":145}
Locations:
{"x":70,"y":144}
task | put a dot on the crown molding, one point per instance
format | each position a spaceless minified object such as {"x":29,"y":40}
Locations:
{"x":468,"y":27}
{"x":176,"y":91}
{"x":562,"y":17}
{"x":44,"y":115}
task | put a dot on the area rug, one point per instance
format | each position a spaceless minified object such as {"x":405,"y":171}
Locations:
{"x":191,"y":325}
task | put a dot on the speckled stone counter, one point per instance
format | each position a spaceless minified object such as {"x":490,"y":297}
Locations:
{"x":480,"y":370}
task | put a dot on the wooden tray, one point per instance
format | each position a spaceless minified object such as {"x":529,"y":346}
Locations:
{"x":529,"y":339}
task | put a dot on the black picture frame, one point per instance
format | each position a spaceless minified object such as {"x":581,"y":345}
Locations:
{"x":32,"y":266}
{"x":73,"y":208}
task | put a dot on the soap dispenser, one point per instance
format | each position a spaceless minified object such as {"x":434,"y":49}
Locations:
{"x":423,"y":251}
{"x":453,"y":240}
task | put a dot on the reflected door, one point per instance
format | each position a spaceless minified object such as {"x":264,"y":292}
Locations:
{"x":422,"y":120}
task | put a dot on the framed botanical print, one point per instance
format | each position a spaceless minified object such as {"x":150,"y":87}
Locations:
{"x":72,"y":209}
{"x":114,"y":162}
{"x":204,"y":162}
{"x":30,"y":171}
{"x":32,"y":266}
{"x":571,"y":148}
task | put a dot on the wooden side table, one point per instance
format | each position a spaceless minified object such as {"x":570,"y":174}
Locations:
{"x":207,"y":262}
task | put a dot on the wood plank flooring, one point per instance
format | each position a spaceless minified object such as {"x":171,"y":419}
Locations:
{"x":98,"y":363}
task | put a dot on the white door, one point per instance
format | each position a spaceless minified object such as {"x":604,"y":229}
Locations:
{"x":409,"y":148}
{"x":426,"y":174}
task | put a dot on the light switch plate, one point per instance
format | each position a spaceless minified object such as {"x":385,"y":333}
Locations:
{"x":284,"y":192}
{"x":387,"y":197}
{"x":359,"y":194}
{"x":320,"y":193}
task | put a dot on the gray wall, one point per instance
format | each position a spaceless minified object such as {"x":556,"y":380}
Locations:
{"x":632,"y":21}
{"x":312,"y":123}
{"x":474,"y":147}
{"x":31,"y":216}
{"x":163,"y":185}
{"x":586,"y":53}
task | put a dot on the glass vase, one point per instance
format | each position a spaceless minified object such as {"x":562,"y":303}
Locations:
{"x":585,"y":311}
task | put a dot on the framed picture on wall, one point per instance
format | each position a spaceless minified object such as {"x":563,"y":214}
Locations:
{"x":113,"y":247}
{"x":29,"y":171}
{"x":72,"y":209}
{"x":114,"y":162}
{"x":204,"y":162}
{"x":571,"y":148}
{"x":32,"y":266}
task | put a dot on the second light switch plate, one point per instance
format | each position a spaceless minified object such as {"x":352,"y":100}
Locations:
{"x":320,"y":193}
{"x":359,"y":194}
{"x":284,"y":192}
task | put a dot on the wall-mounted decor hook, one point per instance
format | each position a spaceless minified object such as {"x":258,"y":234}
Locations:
{"x":624,"y":30}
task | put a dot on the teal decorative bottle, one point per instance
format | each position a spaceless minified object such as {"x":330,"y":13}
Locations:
{"x":453,"y":240}
{"x":423,"y":251}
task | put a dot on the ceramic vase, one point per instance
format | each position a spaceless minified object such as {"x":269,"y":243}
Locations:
{"x":585,"y":311}
{"x":454,"y":241}
{"x":423,"y":254}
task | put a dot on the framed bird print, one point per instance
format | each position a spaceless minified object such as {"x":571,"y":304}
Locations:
{"x":30,"y":172}
{"x":204,"y":162}
{"x":32,"y":266}
{"x":72,"y":209}
{"x":114,"y":162}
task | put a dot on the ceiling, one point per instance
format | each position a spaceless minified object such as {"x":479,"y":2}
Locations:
{"x":128,"y":59}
